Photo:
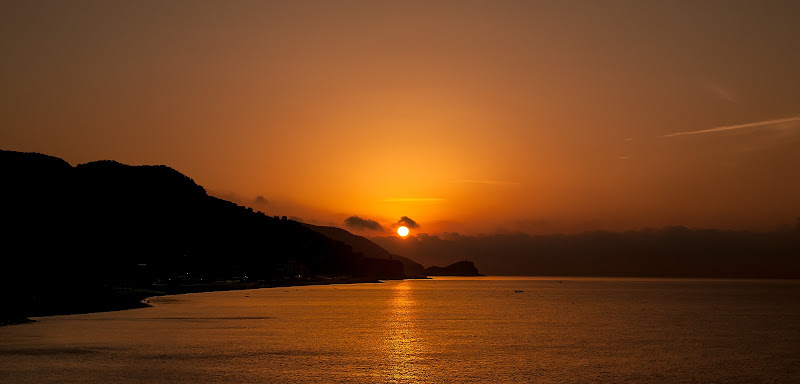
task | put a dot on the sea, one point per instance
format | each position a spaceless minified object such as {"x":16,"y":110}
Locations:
{"x":440,"y":330}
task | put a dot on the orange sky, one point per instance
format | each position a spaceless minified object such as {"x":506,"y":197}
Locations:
{"x":466,"y":116}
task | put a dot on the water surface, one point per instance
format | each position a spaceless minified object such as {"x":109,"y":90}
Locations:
{"x":486,"y":329}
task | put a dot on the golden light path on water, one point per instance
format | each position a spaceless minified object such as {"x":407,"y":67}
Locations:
{"x":403,"y":344}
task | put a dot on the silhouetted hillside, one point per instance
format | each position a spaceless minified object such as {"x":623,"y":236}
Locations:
{"x":461,"y":268}
{"x":370,"y":249}
{"x":667,"y":252}
{"x":86,"y":229}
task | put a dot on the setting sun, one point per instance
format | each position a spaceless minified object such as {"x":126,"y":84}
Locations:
{"x":402,"y":231}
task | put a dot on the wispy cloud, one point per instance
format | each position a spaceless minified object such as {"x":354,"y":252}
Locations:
{"x":412,"y":200}
{"x":721,"y":92}
{"x":490,"y":182}
{"x":756,"y":124}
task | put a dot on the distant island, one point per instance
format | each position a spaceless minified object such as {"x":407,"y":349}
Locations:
{"x":460,"y":268}
{"x":104,"y":235}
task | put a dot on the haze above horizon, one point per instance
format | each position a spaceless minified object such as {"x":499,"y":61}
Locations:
{"x":470,"y":117}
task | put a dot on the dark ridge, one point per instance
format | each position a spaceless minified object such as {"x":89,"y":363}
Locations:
{"x":11,"y":161}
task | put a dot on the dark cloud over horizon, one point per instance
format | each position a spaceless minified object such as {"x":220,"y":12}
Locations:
{"x":359,"y":223}
{"x":405,"y":220}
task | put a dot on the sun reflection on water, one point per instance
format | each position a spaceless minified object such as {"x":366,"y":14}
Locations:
{"x":403,"y":345}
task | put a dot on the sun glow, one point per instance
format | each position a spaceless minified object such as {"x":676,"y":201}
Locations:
{"x":402,"y":231}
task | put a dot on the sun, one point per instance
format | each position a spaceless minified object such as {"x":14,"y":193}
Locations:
{"x":402,"y":231}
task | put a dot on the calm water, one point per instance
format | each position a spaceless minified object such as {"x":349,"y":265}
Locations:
{"x":440,"y":330}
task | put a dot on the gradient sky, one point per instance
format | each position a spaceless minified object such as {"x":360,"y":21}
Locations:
{"x":466,"y":116}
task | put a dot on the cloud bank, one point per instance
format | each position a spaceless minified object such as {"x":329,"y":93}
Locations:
{"x":648,"y":252}
{"x":359,"y":223}
{"x":405,"y":220}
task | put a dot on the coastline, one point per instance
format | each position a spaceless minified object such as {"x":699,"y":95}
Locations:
{"x":125,"y":299}
{"x":73,"y":301}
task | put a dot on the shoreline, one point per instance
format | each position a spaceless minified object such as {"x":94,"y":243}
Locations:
{"x":248,"y":286}
{"x":125,"y":299}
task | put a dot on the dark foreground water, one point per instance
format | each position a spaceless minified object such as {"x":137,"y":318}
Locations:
{"x":441,"y":330}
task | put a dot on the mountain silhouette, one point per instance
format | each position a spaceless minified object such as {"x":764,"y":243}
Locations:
{"x":369,"y":249}
{"x":85,"y":232}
